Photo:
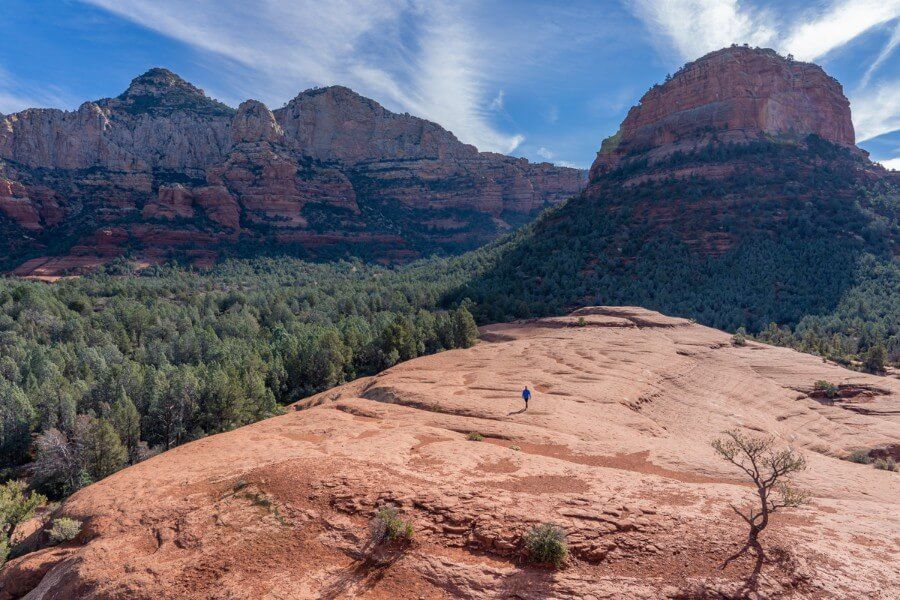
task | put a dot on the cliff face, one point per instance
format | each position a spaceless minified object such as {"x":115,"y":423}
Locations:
{"x":734,"y":145}
{"x":330,"y":166}
{"x":735,"y":94}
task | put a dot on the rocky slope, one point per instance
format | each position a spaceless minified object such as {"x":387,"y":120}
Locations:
{"x":614,"y":448}
{"x":170,"y":170}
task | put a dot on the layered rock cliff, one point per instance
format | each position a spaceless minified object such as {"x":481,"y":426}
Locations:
{"x":736,"y":94}
{"x":332,"y":171}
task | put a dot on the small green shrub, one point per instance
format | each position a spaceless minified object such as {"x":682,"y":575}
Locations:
{"x":739,"y":338}
{"x":581,"y":322}
{"x":514,"y":448}
{"x":64,"y":529}
{"x":387,"y":527}
{"x":474,"y":436}
{"x":546,"y":544}
{"x":828,"y":389}
{"x":886,"y":464}
{"x":860,"y":456}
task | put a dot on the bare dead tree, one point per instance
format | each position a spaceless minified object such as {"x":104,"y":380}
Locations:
{"x":768,"y":467}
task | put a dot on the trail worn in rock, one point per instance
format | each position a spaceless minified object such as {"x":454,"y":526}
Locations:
{"x":614,"y":448}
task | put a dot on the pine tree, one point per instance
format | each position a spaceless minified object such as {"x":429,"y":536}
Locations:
{"x":16,"y":416}
{"x":124,"y":417}
{"x":104,"y":453}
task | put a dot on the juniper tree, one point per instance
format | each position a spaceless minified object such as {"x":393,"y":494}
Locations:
{"x":769,"y":469}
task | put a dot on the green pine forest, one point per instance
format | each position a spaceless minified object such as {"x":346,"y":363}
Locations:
{"x":796,"y":248}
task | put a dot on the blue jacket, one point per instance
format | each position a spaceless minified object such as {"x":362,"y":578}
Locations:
{"x":526,"y":394}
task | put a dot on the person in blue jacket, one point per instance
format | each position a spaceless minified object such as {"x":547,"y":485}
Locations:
{"x":526,"y":396}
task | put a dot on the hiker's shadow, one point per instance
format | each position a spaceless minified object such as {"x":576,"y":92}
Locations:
{"x":516,"y":412}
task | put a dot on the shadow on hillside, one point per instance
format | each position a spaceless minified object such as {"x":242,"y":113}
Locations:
{"x":361,"y":577}
{"x":748,"y":575}
{"x":529,"y":583}
{"x":782,"y":247}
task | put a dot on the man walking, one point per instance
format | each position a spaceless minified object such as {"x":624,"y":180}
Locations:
{"x":526,"y":396}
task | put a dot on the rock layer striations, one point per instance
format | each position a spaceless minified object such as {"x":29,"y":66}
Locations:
{"x":735,"y":94}
{"x":331,"y":166}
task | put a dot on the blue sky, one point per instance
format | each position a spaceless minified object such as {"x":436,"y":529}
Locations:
{"x":540,"y":79}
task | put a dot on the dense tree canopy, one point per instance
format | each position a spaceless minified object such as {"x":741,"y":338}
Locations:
{"x":100,"y":371}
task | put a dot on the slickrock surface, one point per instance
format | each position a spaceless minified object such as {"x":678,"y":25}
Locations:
{"x":614,"y":448}
{"x":330,"y":165}
{"x":735,"y":94}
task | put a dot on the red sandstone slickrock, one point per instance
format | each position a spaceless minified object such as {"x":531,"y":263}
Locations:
{"x":614,"y":448}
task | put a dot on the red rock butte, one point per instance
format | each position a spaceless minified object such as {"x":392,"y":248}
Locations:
{"x":736,"y":94}
{"x":615,"y":448}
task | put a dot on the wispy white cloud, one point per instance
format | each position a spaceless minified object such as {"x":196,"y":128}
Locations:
{"x":549,"y":156}
{"x":552,"y":115}
{"x":497,"y":102}
{"x":876,"y":110}
{"x":411,"y":55}
{"x":695,"y":27}
{"x":893,"y":163}
{"x":814,"y":36}
{"x":16,"y":95}
{"x":886,"y":51}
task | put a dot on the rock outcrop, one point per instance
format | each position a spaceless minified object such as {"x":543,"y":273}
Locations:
{"x":735,"y":94}
{"x":329,"y":165}
{"x":614,"y":448}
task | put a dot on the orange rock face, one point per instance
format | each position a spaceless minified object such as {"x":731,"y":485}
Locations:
{"x":614,"y":448}
{"x":32,"y":208}
{"x":736,"y":94}
{"x":329,"y":163}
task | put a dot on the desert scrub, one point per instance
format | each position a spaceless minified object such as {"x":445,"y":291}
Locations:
{"x":514,"y":448}
{"x":886,"y":464}
{"x":739,"y":338}
{"x":546,"y":544}
{"x":388,"y":527}
{"x":64,"y":529}
{"x":860,"y":456}
{"x":474,"y":436}
{"x":826,"y":388}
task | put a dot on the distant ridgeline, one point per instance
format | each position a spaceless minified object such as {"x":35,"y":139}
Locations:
{"x":746,"y":205}
{"x":164,"y":172}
